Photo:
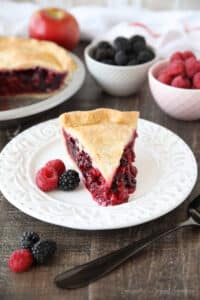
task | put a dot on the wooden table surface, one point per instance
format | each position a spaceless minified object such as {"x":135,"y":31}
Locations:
{"x":169,"y":269}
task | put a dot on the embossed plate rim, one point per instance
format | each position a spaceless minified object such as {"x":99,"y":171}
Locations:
{"x":95,"y":217}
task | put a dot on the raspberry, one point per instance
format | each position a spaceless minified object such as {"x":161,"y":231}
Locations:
{"x":181,"y":82}
{"x":188,"y":54}
{"x":176,"y":68}
{"x":192,"y":66}
{"x":164,"y":77}
{"x":58,"y":165}
{"x":47,"y":179}
{"x":20,"y":260}
{"x":196,"y":81}
{"x":176,"y":56}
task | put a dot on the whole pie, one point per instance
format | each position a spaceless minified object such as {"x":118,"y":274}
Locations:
{"x":100,"y":142}
{"x":29,"y":67}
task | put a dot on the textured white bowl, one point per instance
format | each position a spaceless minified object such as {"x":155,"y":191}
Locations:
{"x":182,"y":104}
{"x":117,"y":80}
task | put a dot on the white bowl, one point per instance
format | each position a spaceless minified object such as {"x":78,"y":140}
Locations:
{"x":179,"y":103}
{"x":117,"y":80}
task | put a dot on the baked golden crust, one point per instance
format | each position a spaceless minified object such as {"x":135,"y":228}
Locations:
{"x":24,"y":53}
{"x":103,"y":134}
{"x":80,"y":118}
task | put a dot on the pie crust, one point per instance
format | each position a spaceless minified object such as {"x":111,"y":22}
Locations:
{"x":100,"y":142}
{"x":103,"y":133}
{"x":23,"y":54}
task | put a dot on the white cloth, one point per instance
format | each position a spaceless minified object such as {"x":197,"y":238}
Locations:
{"x":167,"y":31}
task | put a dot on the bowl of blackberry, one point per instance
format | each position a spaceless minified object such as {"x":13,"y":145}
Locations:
{"x":120,"y":67}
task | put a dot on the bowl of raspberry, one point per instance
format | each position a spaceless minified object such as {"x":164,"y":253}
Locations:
{"x":120,"y":67}
{"x":175,"y":85}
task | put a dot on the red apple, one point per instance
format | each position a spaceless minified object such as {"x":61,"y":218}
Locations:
{"x":56,"y":25}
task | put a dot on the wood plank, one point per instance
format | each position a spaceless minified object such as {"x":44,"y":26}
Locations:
{"x":169,"y":269}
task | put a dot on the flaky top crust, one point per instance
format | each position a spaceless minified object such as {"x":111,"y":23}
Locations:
{"x":81,"y":118}
{"x":103,"y":134}
{"x":23,"y":53}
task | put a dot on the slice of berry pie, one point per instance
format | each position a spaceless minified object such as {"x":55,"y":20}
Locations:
{"x":32,"y":68}
{"x":100,"y":142}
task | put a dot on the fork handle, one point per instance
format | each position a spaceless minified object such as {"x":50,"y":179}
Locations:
{"x":83,"y":275}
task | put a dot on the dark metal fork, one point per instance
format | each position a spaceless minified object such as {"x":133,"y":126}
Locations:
{"x":85,"y":274}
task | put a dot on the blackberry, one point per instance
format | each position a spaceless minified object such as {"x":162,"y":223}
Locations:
{"x":69,"y":180}
{"x":108,"y":61}
{"x":43,"y":250}
{"x":136,"y":38}
{"x":121,"y":43}
{"x":28,"y":239}
{"x":104,"y":45}
{"x":100,"y":54}
{"x":145,"y":56}
{"x":121,"y":58}
{"x":133,"y":62}
{"x":93,"y":52}
{"x":138,"y":46}
{"x":110,"y":53}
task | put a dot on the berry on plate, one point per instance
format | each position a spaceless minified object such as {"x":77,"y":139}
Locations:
{"x":181,"y":82}
{"x":69,"y":180}
{"x":20,"y":260}
{"x":47,"y":179}
{"x":43,"y":250}
{"x":58,"y":165}
{"x":28,"y":239}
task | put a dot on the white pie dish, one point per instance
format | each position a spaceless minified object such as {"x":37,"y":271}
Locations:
{"x":117,"y":80}
{"x":167,"y":173}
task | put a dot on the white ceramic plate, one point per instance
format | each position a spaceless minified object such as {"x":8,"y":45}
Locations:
{"x":20,"y":108}
{"x":167,"y":172}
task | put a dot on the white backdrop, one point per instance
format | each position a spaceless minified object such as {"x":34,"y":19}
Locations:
{"x":150,"y":4}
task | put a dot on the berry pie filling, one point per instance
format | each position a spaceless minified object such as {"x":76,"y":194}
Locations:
{"x":104,"y":193}
{"x":33,"y":80}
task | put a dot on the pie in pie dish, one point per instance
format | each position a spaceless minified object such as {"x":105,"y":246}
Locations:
{"x":100,"y":142}
{"x":29,"y":67}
